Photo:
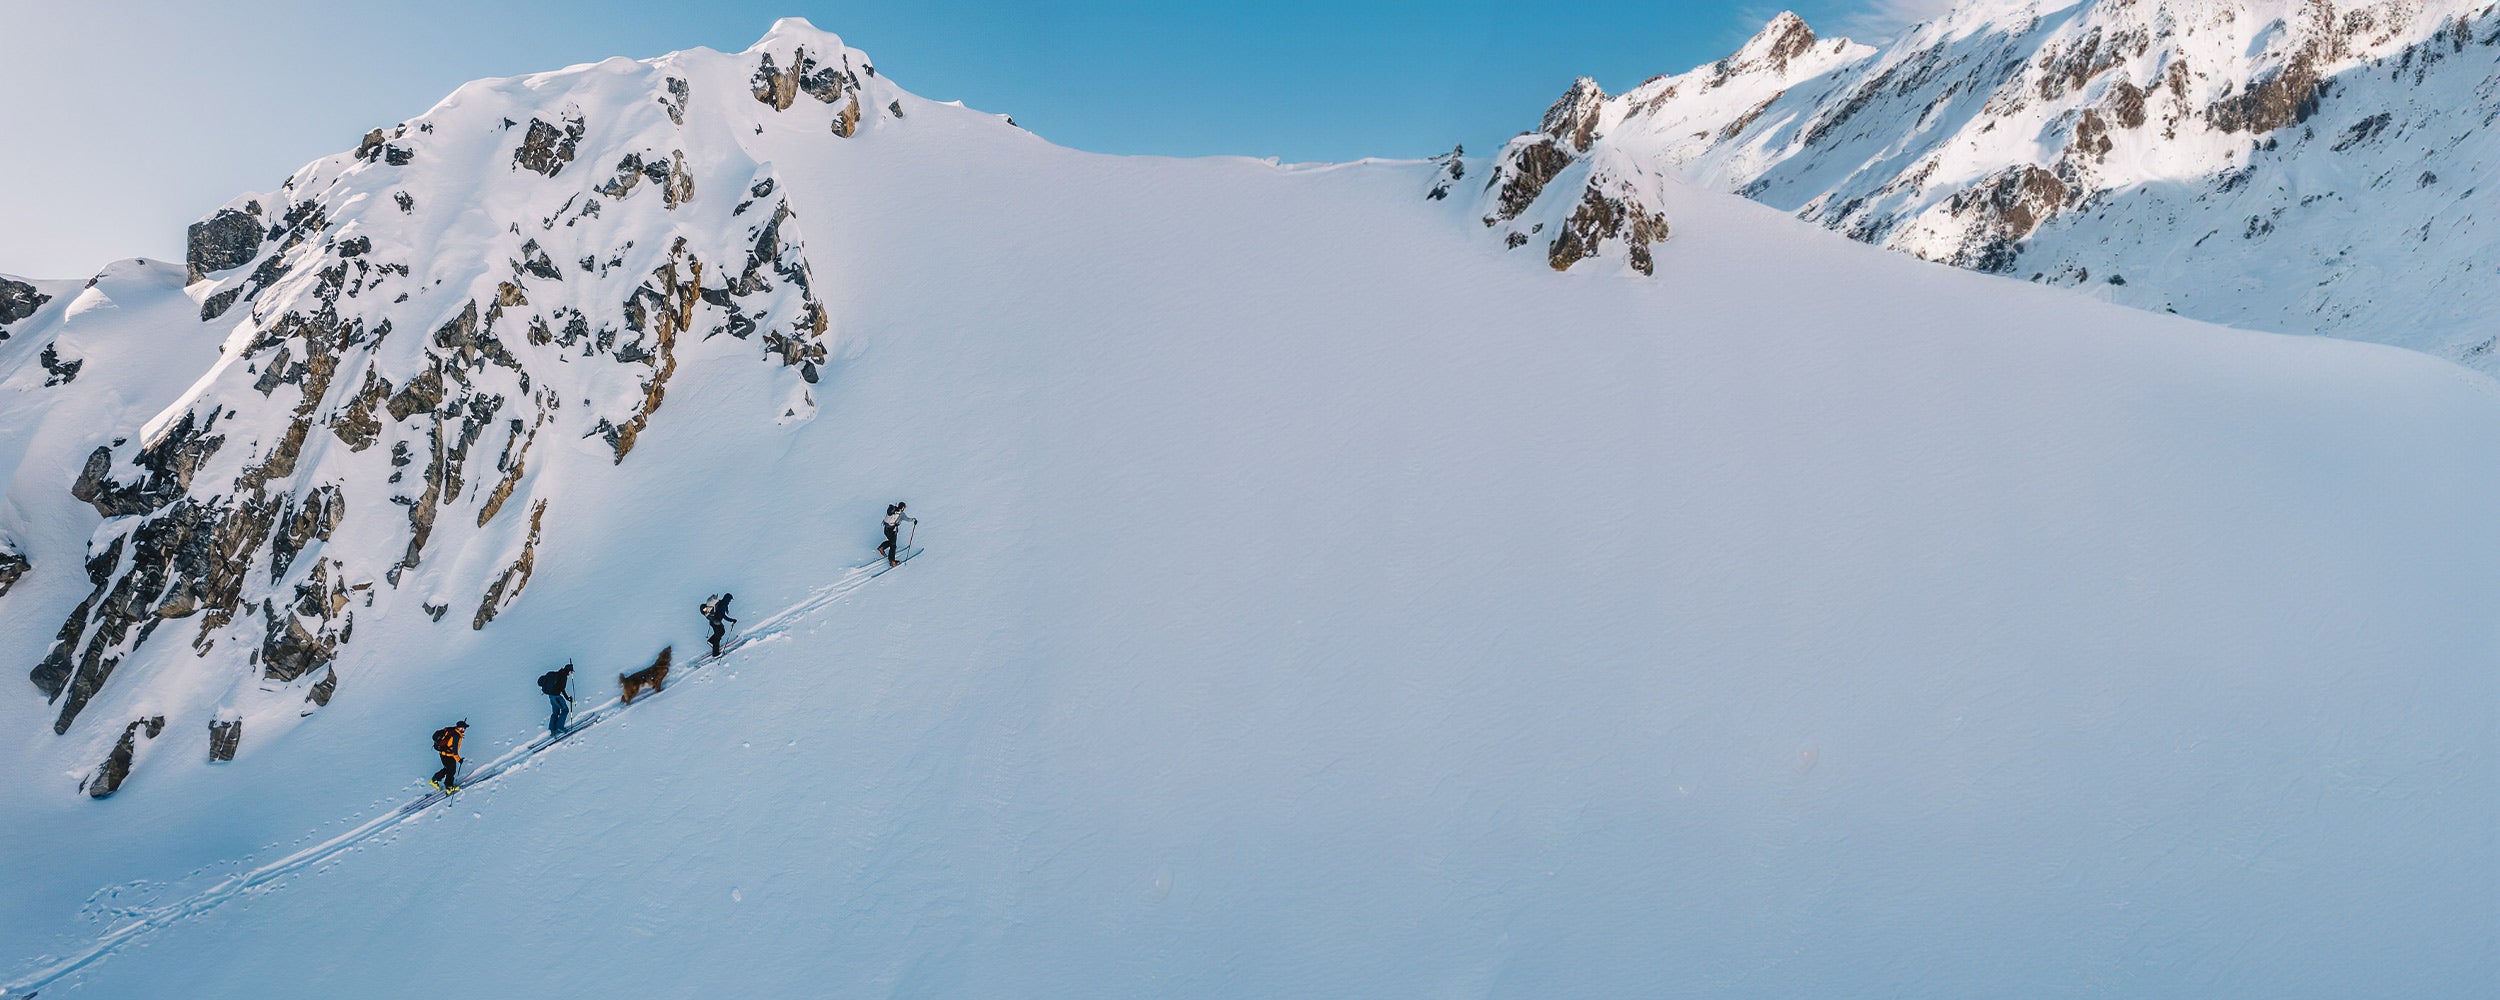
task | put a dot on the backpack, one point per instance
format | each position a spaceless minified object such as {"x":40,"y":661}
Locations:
{"x":551,"y":682}
{"x":711,"y":608}
{"x":447,"y":740}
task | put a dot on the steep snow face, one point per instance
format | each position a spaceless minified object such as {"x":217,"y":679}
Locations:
{"x":2294,"y":165}
{"x":423,"y":337}
{"x":82,"y":366}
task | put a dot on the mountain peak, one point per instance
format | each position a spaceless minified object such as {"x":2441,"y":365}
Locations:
{"x":1574,"y":116}
{"x":1785,"y":37}
{"x":796,"y":29}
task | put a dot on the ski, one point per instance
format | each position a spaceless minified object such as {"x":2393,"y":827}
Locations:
{"x":860,"y":573}
{"x":878,"y":567}
{"x":850,"y":581}
{"x":856,"y":574}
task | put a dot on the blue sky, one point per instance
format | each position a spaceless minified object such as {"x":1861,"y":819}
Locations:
{"x":126,"y":119}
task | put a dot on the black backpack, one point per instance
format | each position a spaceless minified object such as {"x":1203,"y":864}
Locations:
{"x":551,"y":682}
{"x":447,"y":740}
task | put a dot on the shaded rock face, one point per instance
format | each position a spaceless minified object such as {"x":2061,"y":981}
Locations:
{"x":1522,"y":175}
{"x":224,"y":241}
{"x":301,"y":222}
{"x":225,"y":736}
{"x":108,"y":776}
{"x":248,"y":520}
{"x":547,"y":148}
{"x":18,"y":300}
{"x":1453,"y":166}
{"x":2008,"y":207}
{"x":13,"y":566}
{"x":56,"y":370}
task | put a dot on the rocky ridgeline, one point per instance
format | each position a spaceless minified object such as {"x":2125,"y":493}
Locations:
{"x":1578,"y":196}
{"x":18,"y":300}
{"x":377,"y":312}
{"x":2229,"y":159}
{"x":1609,"y":205}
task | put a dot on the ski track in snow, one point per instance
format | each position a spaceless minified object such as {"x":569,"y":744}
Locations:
{"x":115,"y":940}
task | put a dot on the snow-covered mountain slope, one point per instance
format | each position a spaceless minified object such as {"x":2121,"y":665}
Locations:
{"x":424,"y":337}
{"x":82,"y":366}
{"x":1316,"y":602}
{"x":2292,"y":165}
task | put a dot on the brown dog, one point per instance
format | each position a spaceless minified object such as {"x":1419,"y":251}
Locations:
{"x":651,"y":677}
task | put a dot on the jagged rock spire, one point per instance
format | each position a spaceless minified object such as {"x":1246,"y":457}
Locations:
{"x":1573,"y":118}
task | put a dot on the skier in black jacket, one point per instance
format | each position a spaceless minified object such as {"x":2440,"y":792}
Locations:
{"x":447,"y":745}
{"x":716,"y":611}
{"x":892,"y":549}
{"x":557,"y":686}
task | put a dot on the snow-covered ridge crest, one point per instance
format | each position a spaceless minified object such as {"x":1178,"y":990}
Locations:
{"x":2298,"y":165}
{"x":1611,"y":204}
{"x":428,"y":336}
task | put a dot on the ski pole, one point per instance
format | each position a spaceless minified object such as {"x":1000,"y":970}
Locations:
{"x":915,"y":533}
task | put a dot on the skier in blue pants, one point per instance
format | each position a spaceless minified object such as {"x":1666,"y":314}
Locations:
{"x":556,"y":684}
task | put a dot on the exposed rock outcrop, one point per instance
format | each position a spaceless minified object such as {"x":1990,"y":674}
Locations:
{"x":547,"y":147}
{"x":56,"y":370}
{"x":2010,"y":206}
{"x":225,"y":736}
{"x":780,"y":86}
{"x":1521,"y":176}
{"x":663,"y":312}
{"x":1573,"y":119}
{"x":1609,"y":212}
{"x":1785,"y":38}
{"x":18,"y":300}
{"x":322,"y":691}
{"x":115,"y":769}
{"x":13,"y":566}
{"x":224,"y":241}
{"x":1453,"y":166}
{"x":507,"y":587}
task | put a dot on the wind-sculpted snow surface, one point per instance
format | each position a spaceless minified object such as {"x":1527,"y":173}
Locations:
{"x":2293,"y":165}
{"x":1317,"y":602}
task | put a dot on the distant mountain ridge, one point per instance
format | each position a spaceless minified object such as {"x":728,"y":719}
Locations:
{"x":2292,"y":165}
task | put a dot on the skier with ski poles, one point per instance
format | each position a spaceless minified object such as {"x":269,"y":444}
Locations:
{"x":447,"y":745}
{"x":557,"y":685}
{"x":894,"y":518}
{"x":716,"y":611}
